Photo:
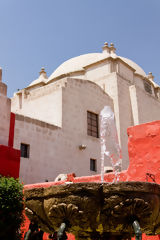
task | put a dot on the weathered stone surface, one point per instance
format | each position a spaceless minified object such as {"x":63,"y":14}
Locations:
{"x":93,"y":208}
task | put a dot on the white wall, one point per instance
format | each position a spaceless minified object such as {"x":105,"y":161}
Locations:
{"x":125,"y":116}
{"x":125,"y":72}
{"x":97,"y":71}
{"x":56,"y":150}
{"x":44,"y":103}
{"x":148,"y":106}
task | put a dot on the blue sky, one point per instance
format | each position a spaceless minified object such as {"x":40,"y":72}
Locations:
{"x":36,"y":33}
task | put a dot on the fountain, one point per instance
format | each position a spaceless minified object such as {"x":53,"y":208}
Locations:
{"x":109,"y":142}
{"x":96,"y":210}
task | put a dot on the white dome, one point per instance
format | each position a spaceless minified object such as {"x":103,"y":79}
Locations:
{"x":78,"y":63}
{"x":41,"y":79}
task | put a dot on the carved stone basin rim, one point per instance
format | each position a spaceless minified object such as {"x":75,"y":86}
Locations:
{"x":95,"y":208}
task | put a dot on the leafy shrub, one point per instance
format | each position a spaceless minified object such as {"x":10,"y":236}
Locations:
{"x":11,"y":208}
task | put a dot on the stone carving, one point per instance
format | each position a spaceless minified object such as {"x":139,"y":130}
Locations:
{"x":42,"y":223}
{"x":65,"y":212}
{"x":122,"y":213}
{"x":134,"y":207}
{"x":93,"y":209}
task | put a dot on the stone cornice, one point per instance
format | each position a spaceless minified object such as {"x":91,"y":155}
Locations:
{"x":98,"y":62}
{"x":66,"y":75}
{"x":37,"y":122}
{"x":40,"y":84}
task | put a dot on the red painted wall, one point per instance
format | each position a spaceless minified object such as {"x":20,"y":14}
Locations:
{"x":9,"y":161}
{"x":144,"y":152}
{"x":10,"y":157}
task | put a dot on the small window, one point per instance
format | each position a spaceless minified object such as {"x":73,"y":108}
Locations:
{"x":92,"y":124}
{"x":147,"y":87}
{"x":93,"y":165}
{"x":25,"y":150}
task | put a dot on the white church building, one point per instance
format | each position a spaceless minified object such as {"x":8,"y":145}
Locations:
{"x":57,"y":117}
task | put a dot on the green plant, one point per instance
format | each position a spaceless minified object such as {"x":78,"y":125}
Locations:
{"x":11,"y":208}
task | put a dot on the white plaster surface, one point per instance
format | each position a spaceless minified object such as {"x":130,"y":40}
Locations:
{"x":44,"y":104}
{"x":64,"y":103}
{"x":54,"y":150}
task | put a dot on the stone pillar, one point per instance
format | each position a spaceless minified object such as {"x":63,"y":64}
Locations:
{"x":3,"y":86}
{"x":5,"y":110}
{"x":112,"y":48}
{"x":106,"y":49}
{"x":150,"y":76}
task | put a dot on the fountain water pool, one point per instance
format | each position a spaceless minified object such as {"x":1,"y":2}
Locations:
{"x":120,"y":203}
{"x":95,"y":210}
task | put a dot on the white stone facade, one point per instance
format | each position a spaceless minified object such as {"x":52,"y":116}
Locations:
{"x":54,"y":149}
{"x":52,"y":112}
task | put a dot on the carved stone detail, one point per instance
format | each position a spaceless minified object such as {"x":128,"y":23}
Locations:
{"x":124,"y":212}
{"x":96,"y":209}
{"x":65,"y":212}
{"x":132,"y":207}
{"x":36,"y":219}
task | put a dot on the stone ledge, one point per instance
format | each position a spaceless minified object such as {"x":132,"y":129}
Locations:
{"x":37,"y":122}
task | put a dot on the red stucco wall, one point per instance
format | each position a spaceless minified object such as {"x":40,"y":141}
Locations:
{"x":9,"y":161}
{"x":10,"y":157}
{"x":144,"y":152}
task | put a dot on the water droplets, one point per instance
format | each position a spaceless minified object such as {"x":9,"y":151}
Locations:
{"x":110,"y":149}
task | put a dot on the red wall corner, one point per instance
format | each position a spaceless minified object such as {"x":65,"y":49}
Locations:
{"x":144,"y":152}
{"x":11,"y":130}
{"x":9,"y":161}
{"x":10,"y":157}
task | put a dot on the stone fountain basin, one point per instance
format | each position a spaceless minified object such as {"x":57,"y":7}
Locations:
{"x":93,"y":208}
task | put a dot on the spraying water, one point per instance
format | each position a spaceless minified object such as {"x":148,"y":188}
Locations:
{"x":110,"y":148}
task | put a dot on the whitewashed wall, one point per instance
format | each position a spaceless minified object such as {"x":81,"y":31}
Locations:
{"x":55,"y":150}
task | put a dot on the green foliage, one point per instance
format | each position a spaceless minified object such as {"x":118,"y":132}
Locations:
{"x":11,"y":208}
